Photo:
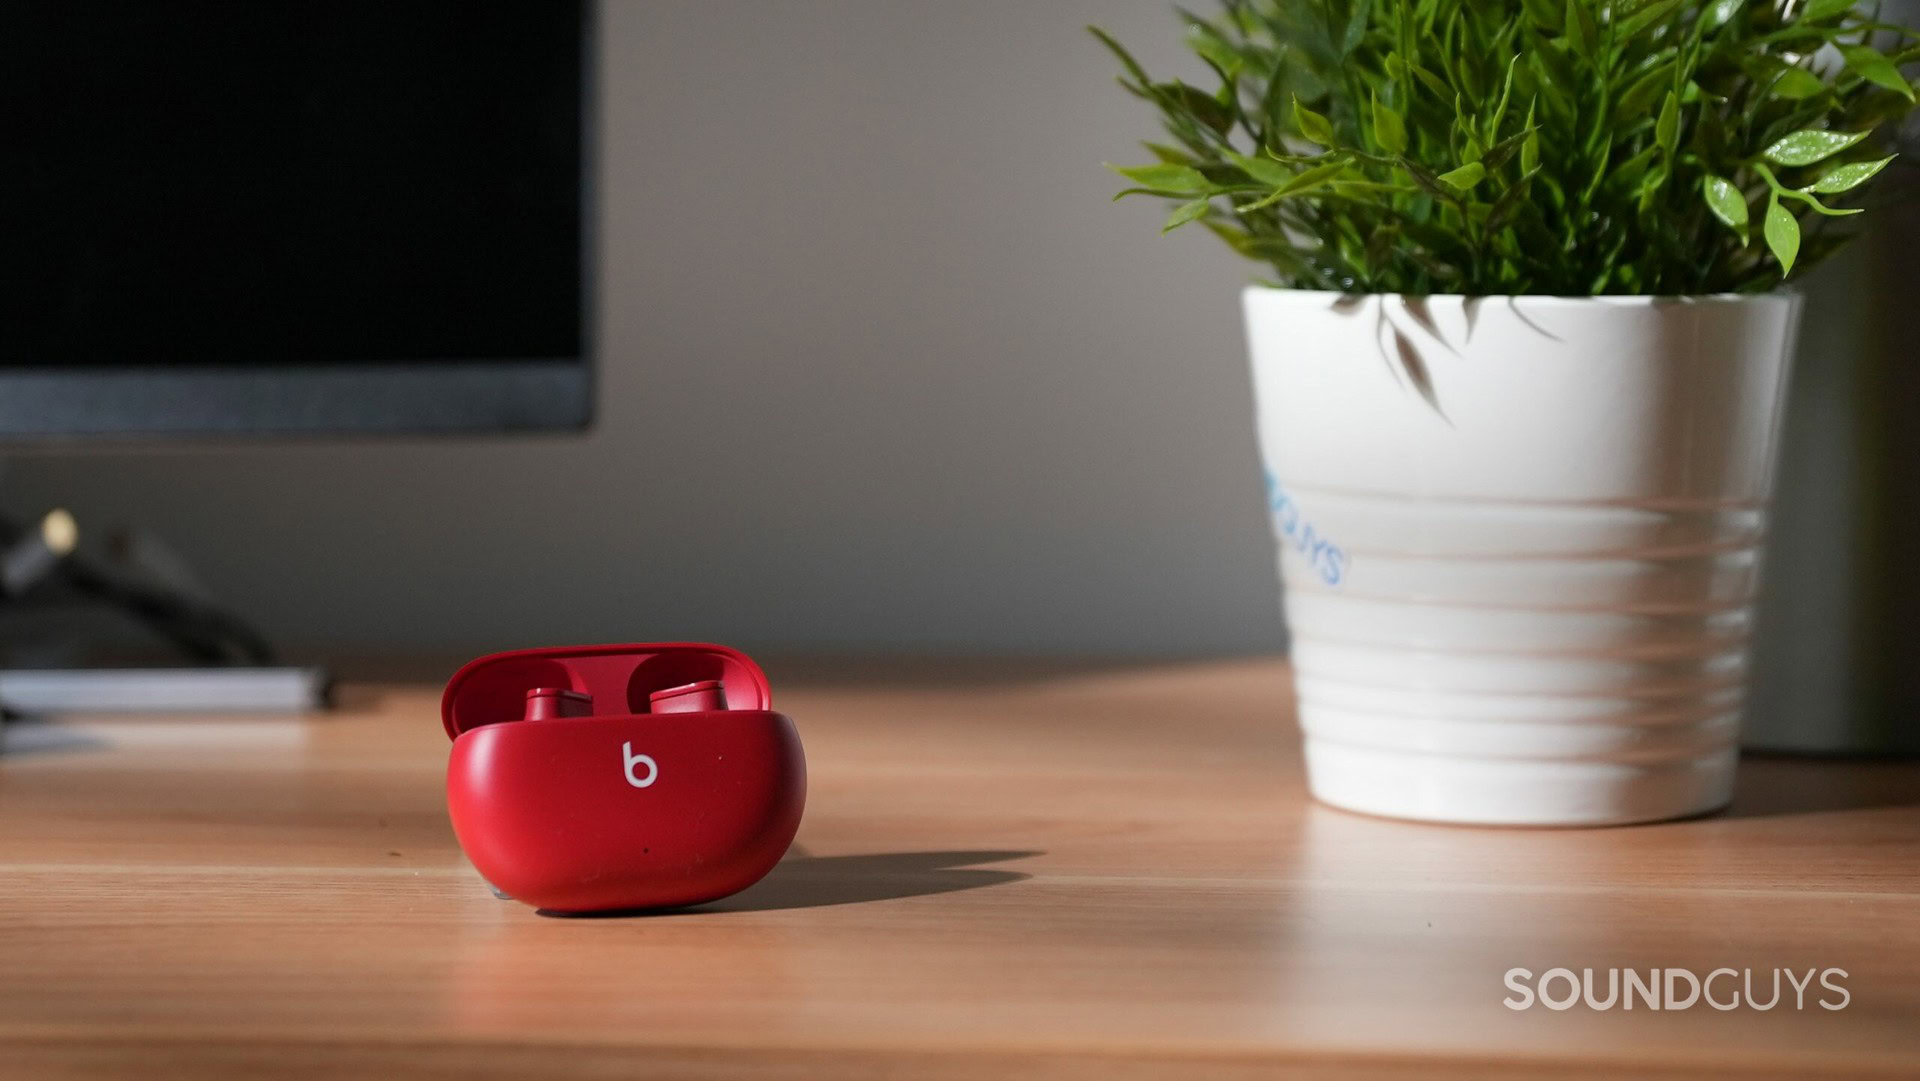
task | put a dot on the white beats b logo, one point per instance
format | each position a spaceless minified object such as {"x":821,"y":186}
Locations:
{"x":632,"y":760}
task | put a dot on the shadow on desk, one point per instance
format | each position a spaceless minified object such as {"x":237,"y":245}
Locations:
{"x":1783,"y":784}
{"x":806,"y":881}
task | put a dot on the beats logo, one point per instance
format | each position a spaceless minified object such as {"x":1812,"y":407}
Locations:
{"x":632,"y":760}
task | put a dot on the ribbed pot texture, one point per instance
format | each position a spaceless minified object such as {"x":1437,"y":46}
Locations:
{"x":1520,"y":539}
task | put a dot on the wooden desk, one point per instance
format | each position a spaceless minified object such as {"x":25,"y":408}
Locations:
{"x":1088,"y":874}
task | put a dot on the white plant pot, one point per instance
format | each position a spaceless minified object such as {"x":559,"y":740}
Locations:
{"x":1519,"y":538}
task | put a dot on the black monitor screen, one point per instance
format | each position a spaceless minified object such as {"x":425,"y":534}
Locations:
{"x":250,"y":184}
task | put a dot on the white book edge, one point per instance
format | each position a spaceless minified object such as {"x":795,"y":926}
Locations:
{"x":163,"y":690}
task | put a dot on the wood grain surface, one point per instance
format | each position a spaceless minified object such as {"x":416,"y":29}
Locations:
{"x":1005,"y":871}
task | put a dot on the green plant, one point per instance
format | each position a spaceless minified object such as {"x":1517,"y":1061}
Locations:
{"x":1527,"y":146}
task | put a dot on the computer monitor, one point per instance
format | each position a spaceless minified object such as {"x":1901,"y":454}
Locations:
{"x":303,"y":216}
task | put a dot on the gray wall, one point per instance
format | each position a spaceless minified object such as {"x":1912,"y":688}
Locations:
{"x":883,"y":369}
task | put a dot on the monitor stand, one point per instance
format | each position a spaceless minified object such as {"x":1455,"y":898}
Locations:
{"x":80,"y":634}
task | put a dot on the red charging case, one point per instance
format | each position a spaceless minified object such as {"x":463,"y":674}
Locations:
{"x":610,"y":777}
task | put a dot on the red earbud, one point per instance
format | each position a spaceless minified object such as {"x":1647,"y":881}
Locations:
{"x":544,"y":703}
{"x":700,"y":697}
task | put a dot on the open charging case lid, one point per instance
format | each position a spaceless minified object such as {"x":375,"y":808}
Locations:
{"x":621,"y":680}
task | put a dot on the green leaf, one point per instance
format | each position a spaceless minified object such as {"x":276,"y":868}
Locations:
{"x":1312,"y":125}
{"x":1301,"y":183}
{"x":1434,"y":84}
{"x":1647,"y":15}
{"x":1818,"y":206}
{"x":1185,"y":213}
{"x":1356,"y":27}
{"x":1580,"y":27}
{"x":1797,"y":84}
{"x":1389,"y":130}
{"x":1262,"y":170}
{"x":1666,"y":130}
{"x":1197,"y":103}
{"x":1821,"y":10}
{"x":1722,"y":12}
{"x":1237,"y":239}
{"x":1530,"y":147}
{"x":1506,"y":94}
{"x":1627,"y":175}
{"x":1205,"y":41}
{"x":1783,"y":235}
{"x":1474,"y":149}
{"x":1497,"y":155}
{"x":1465,"y":177}
{"x":1172,"y":155}
{"x":1641,"y":93}
{"x":1727,"y":204}
{"x":1872,"y":65}
{"x":1548,"y":16}
{"x":1847,"y":177}
{"x":1164,"y":177}
{"x":1314,"y":177}
{"x":1126,"y":58}
{"x":1810,"y":145}
{"x":1508,"y":204}
{"x":1650,"y":187}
